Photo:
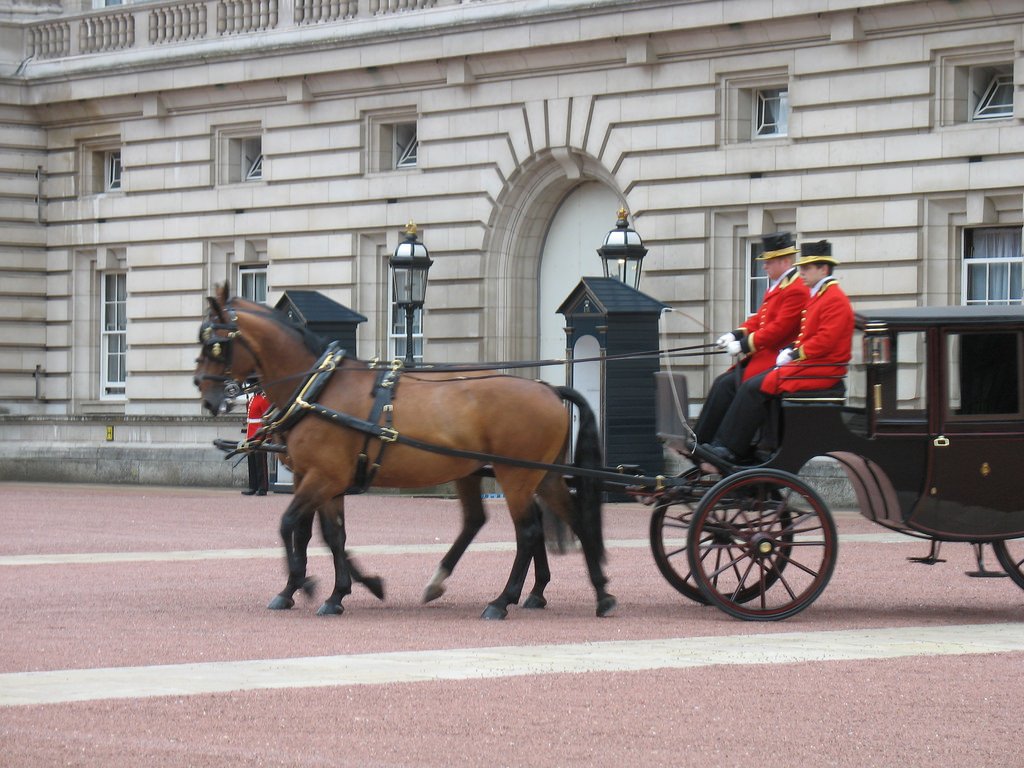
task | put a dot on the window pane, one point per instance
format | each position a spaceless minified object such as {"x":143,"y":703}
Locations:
{"x":997,"y":99}
{"x":113,"y":336}
{"x":757,"y":280}
{"x":252,"y":284}
{"x":406,"y":145}
{"x":982,"y":370}
{"x":992,"y":266}
{"x":772,"y":113}
{"x":112,"y":170}
{"x":398,"y":334}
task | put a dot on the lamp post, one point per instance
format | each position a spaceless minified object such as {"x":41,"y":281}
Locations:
{"x":409,"y":265}
{"x":623,"y":252}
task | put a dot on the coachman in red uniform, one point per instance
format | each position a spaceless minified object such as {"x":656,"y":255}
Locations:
{"x":816,"y":360}
{"x":760,"y":338}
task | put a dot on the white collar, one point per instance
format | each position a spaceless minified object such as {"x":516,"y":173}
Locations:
{"x":820,"y":284}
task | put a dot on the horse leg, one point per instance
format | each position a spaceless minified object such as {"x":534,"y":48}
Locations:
{"x":529,"y":535}
{"x":473,"y":519}
{"x":374,"y":584}
{"x":332,"y":525}
{"x":584,"y":517}
{"x":541,"y":570}
{"x":296,"y":531}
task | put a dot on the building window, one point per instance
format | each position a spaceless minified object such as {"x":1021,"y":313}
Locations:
{"x":977,"y":85}
{"x":113,"y":335}
{"x":404,"y":145}
{"x":992,"y":92}
{"x":393,"y":142}
{"x":252,"y":284}
{"x":992,"y":266}
{"x":397,"y":336}
{"x":240,"y":154}
{"x":772,"y":117}
{"x":757,"y":279}
{"x":755,"y":106}
{"x":112,"y":170}
{"x":100,"y":168}
{"x":245,"y":159}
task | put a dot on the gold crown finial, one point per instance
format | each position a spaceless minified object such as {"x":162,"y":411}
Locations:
{"x":623,"y":215}
{"x":410,"y":228}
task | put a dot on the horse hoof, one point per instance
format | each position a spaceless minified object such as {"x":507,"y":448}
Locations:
{"x":606,"y":605}
{"x":432,"y":592}
{"x":309,"y":587}
{"x":375,"y":585}
{"x":535,"y":602}
{"x":281,"y":603}
{"x":494,"y":612}
{"x":331,"y":609}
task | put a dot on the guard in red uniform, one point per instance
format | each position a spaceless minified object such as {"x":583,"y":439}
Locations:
{"x":816,"y":360}
{"x":259,"y":479}
{"x":763,"y":335}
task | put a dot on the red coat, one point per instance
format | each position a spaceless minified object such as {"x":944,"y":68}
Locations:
{"x":775,"y":325}
{"x":822,"y":347}
{"x":258,"y":405}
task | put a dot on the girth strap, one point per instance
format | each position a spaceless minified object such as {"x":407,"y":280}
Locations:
{"x":384,"y":390}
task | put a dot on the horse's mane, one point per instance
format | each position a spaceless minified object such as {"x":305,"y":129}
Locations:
{"x":312,"y":341}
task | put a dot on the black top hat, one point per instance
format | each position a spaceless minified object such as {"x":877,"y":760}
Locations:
{"x":777,"y":244}
{"x":821,"y":251}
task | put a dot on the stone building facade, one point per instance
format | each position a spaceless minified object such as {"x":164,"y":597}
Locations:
{"x":152,"y":149}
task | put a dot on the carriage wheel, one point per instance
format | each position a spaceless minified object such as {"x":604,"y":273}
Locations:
{"x":1011,"y":556}
{"x":762,"y":545}
{"x":669,"y":525}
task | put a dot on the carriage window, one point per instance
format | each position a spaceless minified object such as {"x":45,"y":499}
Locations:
{"x":900,"y":392}
{"x":983,"y":374}
{"x":856,"y":376}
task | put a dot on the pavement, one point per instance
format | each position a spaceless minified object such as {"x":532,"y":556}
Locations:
{"x":134,"y":631}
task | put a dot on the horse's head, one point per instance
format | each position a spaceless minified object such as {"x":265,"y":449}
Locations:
{"x":225,"y":360}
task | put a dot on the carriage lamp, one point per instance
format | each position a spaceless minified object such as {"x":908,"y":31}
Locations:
{"x":622,"y":254}
{"x":409,"y":265}
{"x":877,"y":345}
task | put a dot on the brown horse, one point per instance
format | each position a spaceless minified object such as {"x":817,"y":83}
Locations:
{"x":344,"y":432}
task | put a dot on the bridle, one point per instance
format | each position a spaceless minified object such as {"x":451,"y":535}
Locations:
{"x":218,"y":339}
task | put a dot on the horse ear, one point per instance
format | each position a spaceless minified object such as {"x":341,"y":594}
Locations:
{"x":224,"y":293}
{"x":214,"y":306}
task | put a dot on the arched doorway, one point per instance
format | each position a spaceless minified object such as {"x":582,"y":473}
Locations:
{"x":569,"y":252}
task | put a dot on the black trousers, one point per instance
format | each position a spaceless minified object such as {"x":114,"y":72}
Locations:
{"x":747,"y":414}
{"x":259,"y":475}
{"x":716,"y":404}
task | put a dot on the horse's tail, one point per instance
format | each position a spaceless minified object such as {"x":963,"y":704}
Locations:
{"x":587,"y":455}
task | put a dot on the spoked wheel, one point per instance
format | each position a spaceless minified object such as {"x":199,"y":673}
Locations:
{"x":762,"y":545}
{"x":670,"y":523}
{"x":1011,"y":556}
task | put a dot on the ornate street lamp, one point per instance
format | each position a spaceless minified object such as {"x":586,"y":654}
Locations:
{"x":409,"y":265}
{"x":622,"y":254}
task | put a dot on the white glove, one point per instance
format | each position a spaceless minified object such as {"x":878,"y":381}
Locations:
{"x":785,"y":356}
{"x":733,"y":348}
{"x":724,"y":339}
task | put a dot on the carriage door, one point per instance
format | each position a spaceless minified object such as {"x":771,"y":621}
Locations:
{"x":975,"y":479}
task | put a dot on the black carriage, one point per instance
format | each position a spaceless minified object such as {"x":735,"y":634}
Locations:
{"x":928,"y":428}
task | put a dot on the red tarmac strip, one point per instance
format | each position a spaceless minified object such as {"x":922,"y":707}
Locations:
{"x":892,"y":702}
